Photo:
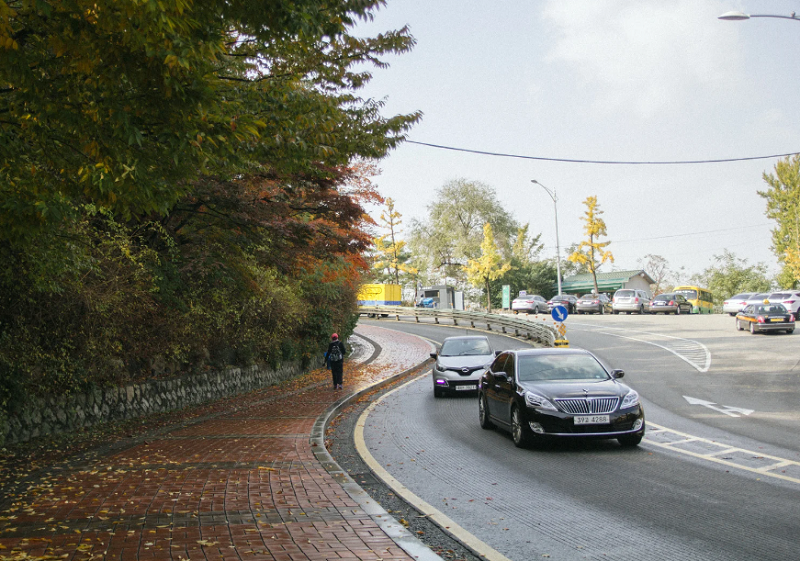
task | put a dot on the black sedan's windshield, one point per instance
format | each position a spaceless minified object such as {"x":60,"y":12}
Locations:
{"x":465,"y":347}
{"x":560,"y":367}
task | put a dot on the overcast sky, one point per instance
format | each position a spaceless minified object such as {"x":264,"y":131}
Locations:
{"x":625,"y":80}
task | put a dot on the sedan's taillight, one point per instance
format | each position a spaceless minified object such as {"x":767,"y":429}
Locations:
{"x":671,"y":303}
{"x":791,"y":317}
{"x":636,"y":299}
{"x":760,"y":319}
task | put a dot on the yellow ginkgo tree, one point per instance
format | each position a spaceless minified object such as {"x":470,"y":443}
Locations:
{"x":489,"y":267}
{"x":391,"y":255}
{"x":592,"y":252}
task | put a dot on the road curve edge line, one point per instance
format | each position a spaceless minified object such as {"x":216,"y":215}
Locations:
{"x":442,"y":520}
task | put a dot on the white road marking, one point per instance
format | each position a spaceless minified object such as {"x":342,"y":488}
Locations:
{"x":694,"y":353}
{"x":724,"y":454}
{"x":726,"y":409}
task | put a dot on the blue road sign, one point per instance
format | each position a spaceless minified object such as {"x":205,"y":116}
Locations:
{"x":559,"y":313}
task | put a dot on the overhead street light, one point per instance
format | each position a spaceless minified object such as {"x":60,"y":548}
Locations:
{"x":738,"y":16}
{"x":554,"y":196}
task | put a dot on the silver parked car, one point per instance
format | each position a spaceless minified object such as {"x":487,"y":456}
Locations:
{"x":531,"y":304}
{"x":789,"y":298}
{"x":736,"y":303}
{"x":460,"y":364}
{"x":593,"y":304}
{"x":628,"y":300}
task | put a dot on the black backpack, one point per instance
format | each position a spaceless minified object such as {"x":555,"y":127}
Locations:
{"x":335,"y":355}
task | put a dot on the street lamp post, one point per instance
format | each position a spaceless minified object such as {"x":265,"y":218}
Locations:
{"x":554,"y":196}
{"x":738,"y":16}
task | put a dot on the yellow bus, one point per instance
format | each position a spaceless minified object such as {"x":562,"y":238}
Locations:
{"x":702,"y":300}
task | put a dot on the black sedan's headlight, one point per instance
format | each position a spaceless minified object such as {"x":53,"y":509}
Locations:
{"x":538,"y":401}
{"x":630,"y":400}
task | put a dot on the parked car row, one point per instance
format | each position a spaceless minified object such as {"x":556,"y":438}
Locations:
{"x":636,"y":301}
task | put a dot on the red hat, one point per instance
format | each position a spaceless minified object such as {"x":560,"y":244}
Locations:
{"x":335,"y":336}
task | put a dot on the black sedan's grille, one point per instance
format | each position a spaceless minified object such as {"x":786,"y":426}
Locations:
{"x":588,"y":406}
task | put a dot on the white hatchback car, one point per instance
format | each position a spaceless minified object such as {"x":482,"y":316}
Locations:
{"x":460,"y":364}
{"x":789,"y":298}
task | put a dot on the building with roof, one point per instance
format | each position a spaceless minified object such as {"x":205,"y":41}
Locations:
{"x":583,"y":283}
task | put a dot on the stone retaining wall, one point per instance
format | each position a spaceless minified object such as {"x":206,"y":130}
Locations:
{"x":60,"y":414}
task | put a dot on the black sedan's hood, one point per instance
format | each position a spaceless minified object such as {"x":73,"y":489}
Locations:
{"x":577,"y":388}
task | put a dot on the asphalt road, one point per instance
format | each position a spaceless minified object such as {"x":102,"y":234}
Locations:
{"x":715,"y":480}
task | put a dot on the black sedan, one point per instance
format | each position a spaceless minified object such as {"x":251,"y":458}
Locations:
{"x":566,"y":300}
{"x":541,"y":393}
{"x":670,"y":303}
{"x":765,"y":317}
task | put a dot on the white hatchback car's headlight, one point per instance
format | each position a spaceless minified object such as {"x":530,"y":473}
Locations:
{"x":630,"y":400}
{"x":538,"y":401}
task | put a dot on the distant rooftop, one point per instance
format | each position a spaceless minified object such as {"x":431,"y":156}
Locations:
{"x":606,"y":282}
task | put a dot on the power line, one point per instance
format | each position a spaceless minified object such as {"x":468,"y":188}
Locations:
{"x":694,"y":233}
{"x":604,"y":162}
{"x":682,"y":235}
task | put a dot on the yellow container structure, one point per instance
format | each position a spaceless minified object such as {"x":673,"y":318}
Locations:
{"x":380,"y":295}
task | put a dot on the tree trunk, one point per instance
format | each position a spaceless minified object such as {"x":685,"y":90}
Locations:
{"x":488,"y":299}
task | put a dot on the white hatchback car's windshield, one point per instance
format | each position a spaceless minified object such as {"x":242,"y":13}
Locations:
{"x":466,"y":347}
{"x":560,"y":367}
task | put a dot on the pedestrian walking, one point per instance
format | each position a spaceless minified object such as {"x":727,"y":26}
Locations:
{"x":335,"y":357}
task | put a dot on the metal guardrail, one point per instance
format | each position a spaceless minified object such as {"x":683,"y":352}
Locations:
{"x":538,"y":331}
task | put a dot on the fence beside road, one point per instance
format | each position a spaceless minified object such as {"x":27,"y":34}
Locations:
{"x":532,"y":329}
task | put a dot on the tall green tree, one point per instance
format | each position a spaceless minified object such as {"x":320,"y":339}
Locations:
{"x":489,"y":267}
{"x":179,"y":183}
{"x":452,"y":232}
{"x":591,"y":251}
{"x":528,"y":272}
{"x":731,"y":275}
{"x":783,"y":206}
{"x":123,"y":104}
{"x":391,"y":256}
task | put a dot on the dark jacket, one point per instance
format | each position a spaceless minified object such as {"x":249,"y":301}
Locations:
{"x":341,"y":347}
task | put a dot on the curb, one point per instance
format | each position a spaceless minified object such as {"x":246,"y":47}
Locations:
{"x":396,"y":531}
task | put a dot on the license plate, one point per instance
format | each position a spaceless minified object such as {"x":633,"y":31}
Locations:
{"x":775,"y":319}
{"x":464,"y":388}
{"x":592,"y":420}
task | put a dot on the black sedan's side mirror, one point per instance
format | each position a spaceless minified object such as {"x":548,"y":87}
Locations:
{"x":617,"y":373}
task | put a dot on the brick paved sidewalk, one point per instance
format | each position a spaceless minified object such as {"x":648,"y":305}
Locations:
{"x":243,"y":483}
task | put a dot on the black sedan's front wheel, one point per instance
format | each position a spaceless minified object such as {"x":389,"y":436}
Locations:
{"x":483,"y":413}
{"x":630,"y":440}
{"x":519,"y":434}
